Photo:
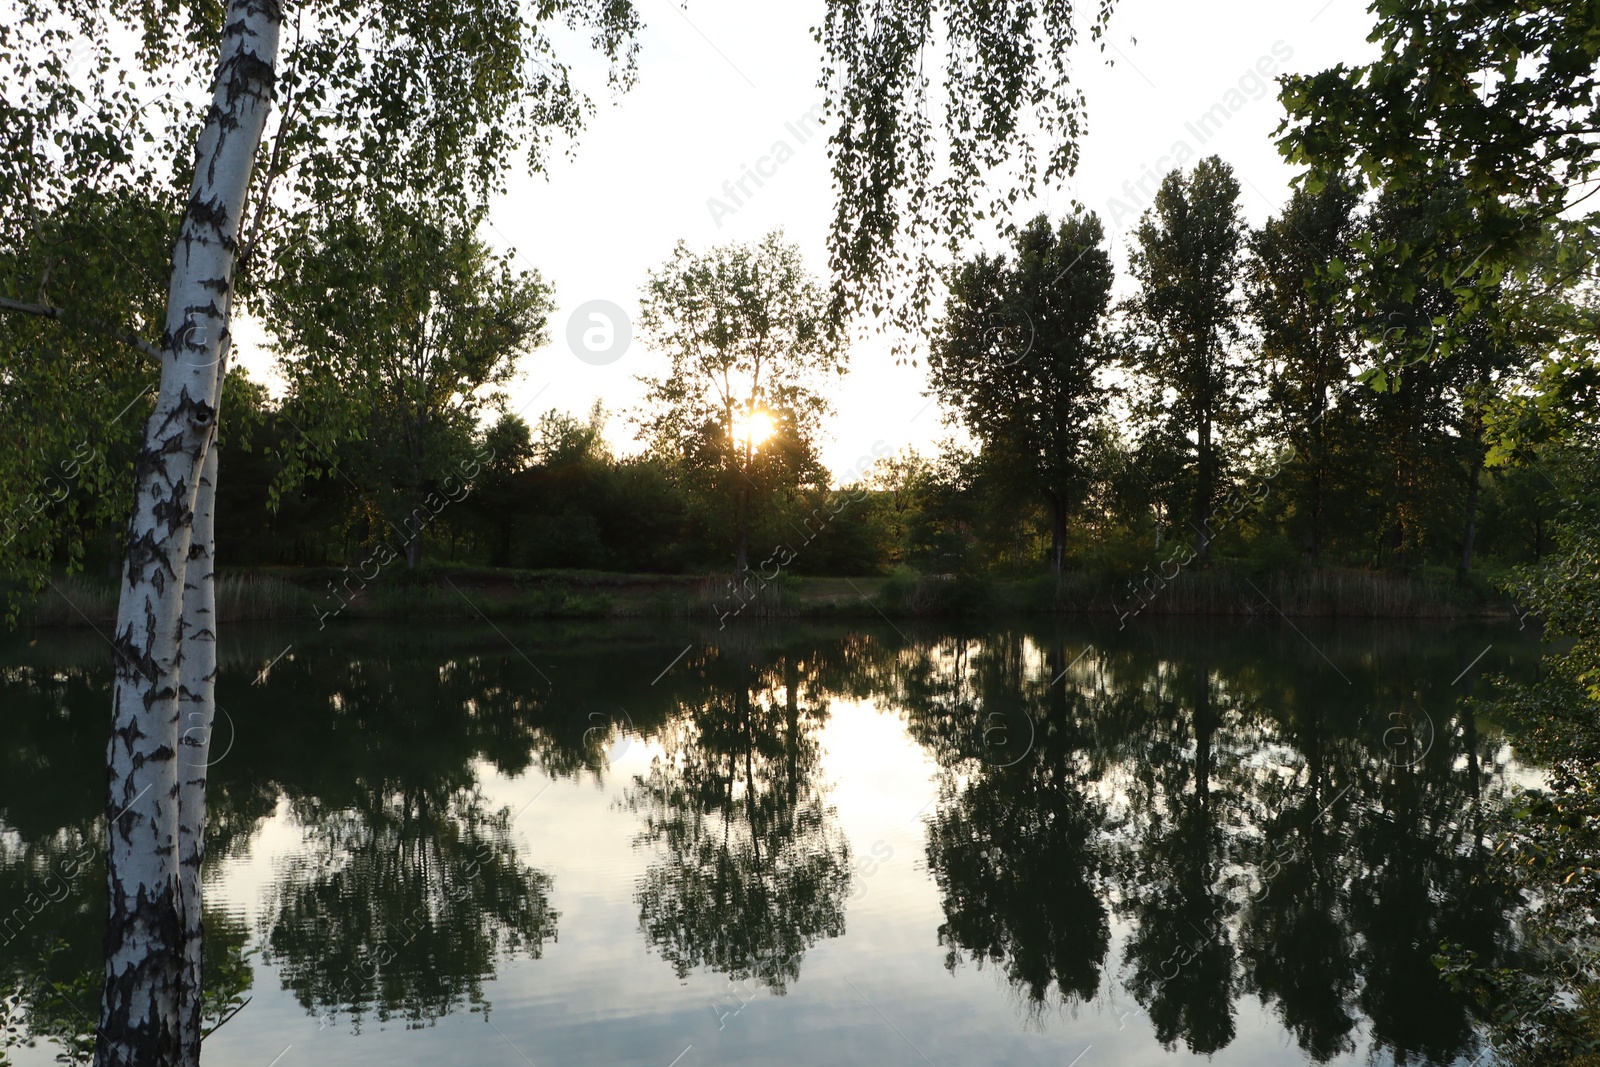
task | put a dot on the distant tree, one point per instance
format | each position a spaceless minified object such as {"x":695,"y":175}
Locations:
{"x":945,"y":534}
{"x":1144,"y":475}
{"x":509,"y":443}
{"x":407,"y":366}
{"x":1018,"y":354}
{"x":1307,"y":341}
{"x":561,"y":440}
{"x":1186,"y":318}
{"x":750,"y":344}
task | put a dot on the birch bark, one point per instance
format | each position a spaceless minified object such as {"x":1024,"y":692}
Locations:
{"x":140,"y":1021}
{"x":197,"y":685}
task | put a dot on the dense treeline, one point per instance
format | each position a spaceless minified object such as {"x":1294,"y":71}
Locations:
{"x":1341,"y":387}
{"x":1236,"y":405}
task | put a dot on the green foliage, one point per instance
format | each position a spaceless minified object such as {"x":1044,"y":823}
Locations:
{"x":74,"y":392}
{"x":396,"y":329}
{"x":374,"y":102}
{"x":905,"y":188}
{"x":383,"y":143}
{"x":1496,"y":99}
{"x":1549,"y":1011}
{"x":1502,"y":93}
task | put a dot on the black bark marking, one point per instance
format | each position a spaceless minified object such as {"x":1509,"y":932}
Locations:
{"x":249,"y":74}
{"x":189,"y":413}
{"x":159,"y":754}
{"x":154,"y":915}
{"x":148,"y":465}
{"x":133,"y":660}
{"x":154,"y":696}
{"x":176,"y":514}
{"x":148,"y":561}
{"x":211,"y":213}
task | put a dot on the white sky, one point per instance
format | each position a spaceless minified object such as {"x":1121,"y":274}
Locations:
{"x":717,"y":85}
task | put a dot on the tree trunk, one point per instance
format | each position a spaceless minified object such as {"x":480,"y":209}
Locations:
{"x":1470,"y":534}
{"x":1058,"y":536}
{"x":197,"y":683}
{"x":1203,"y":492}
{"x":414,"y":551}
{"x":140,"y":1023}
{"x":1313,"y":552}
{"x":1318,"y":448}
{"x":741,"y":541}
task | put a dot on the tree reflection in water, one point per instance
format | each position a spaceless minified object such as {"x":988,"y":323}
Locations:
{"x":401,"y":909}
{"x":1196,"y":817}
{"x":1174,"y":880}
{"x":1244,"y":810}
{"x":754,"y":868}
{"x":1014,"y":844}
{"x":409,"y":890}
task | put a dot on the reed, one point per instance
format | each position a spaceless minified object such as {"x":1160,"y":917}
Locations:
{"x":1327,"y":593}
{"x":257,"y":598}
{"x":76,"y":600}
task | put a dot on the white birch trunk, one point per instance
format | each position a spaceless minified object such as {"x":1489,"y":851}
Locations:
{"x":197,"y":686}
{"x":140,"y":1022}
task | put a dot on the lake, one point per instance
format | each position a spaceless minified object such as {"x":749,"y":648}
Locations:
{"x":665,"y":845}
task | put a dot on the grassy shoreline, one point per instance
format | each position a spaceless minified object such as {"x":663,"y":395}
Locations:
{"x":328,"y":596}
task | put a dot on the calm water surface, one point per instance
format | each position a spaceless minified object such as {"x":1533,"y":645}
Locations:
{"x":660,"y":846}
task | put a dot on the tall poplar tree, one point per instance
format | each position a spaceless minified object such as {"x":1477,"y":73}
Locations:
{"x":1186,"y":317}
{"x":1018,"y":354}
{"x":1308,"y":345}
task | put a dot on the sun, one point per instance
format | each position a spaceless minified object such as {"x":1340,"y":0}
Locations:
{"x":755,"y":429}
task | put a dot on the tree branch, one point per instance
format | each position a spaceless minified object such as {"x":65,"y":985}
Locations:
{"x":45,"y":311}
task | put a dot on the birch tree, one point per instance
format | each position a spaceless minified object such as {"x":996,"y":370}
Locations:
{"x":149,"y":1006}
